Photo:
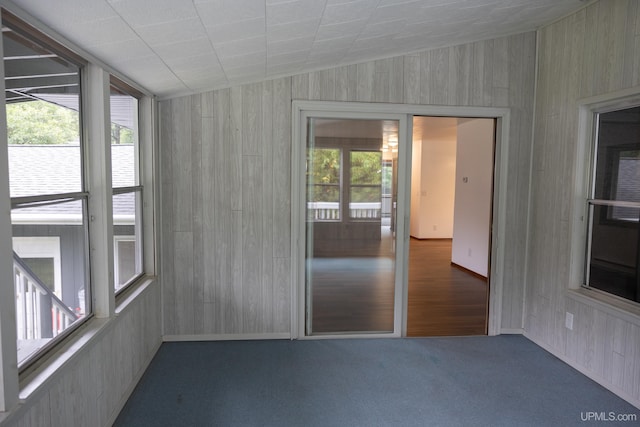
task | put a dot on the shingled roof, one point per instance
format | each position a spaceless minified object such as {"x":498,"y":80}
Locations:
{"x":55,"y":169}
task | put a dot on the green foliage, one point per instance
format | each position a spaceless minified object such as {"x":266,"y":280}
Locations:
{"x":323,"y":174}
{"x":41,"y":122}
{"x":366,"y":167}
{"x":121,"y":134}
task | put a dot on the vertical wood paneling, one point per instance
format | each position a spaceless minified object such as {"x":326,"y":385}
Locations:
{"x":592,"y":52}
{"x":252,"y":213}
{"x":437,"y":76}
{"x":245,"y":171}
{"x":197,"y":178}
{"x":281,"y":160}
{"x":412,"y":79}
{"x":92,"y":387}
{"x":167,"y":276}
{"x":183,"y":269}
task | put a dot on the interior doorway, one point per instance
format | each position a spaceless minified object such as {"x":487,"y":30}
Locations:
{"x":450,"y":226}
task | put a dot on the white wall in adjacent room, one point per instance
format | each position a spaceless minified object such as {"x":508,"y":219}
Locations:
{"x":474,"y":181}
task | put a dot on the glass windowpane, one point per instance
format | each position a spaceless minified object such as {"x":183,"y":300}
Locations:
{"x":51,"y":291}
{"x":124,"y":139}
{"x":127,"y":233}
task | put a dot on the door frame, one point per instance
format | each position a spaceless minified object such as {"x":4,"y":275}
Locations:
{"x":404,"y":113}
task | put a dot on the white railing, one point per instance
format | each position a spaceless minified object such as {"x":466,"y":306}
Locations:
{"x":35,"y":303}
{"x":330,"y":211}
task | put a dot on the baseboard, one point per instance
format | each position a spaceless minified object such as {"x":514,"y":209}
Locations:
{"x":618,"y":392}
{"x":227,"y":337}
{"x":466,"y":270}
{"x":127,"y":394}
{"x":511,"y":331}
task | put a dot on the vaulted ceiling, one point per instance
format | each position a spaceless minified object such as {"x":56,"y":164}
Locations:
{"x":176,"y":47}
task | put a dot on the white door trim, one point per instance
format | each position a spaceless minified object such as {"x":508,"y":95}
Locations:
{"x":301,"y":110}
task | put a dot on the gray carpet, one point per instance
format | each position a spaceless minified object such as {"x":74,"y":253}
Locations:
{"x":466,"y":381}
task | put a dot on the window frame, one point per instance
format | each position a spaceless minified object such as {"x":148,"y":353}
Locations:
{"x":123,"y":88}
{"x":33,"y":38}
{"x":584,"y":191}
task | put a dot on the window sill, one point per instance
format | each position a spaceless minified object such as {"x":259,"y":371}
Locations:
{"x":615,"y":306}
{"x":76,"y":344}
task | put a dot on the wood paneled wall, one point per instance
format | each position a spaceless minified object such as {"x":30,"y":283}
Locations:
{"x":225,"y":166}
{"x":92,"y":388}
{"x":592,"y":52}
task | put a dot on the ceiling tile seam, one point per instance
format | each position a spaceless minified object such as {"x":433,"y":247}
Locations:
{"x":147,"y":44}
{"x":346,"y":52}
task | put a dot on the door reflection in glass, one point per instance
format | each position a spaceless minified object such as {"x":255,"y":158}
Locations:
{"x":350,"y":240}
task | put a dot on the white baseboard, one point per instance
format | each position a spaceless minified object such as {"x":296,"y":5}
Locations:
{"x":227,"y":337}
{"x":512,"y":331}
{"x":604,"y":383}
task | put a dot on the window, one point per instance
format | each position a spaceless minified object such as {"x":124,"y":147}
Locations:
{"x":127,"y":191}
{"x":48,"y":196}
{"x":365,"y":187}
{"x":323,"y":178}
{"x":614,"y":205}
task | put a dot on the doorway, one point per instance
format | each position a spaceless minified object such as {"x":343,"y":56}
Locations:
{"x":304,"y":249}
{"x":450,"y":227}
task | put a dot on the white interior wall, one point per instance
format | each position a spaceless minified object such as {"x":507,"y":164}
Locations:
{"x":472,"y":216}
{"x":433,"y":178}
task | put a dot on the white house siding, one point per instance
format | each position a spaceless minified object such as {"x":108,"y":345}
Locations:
{"x":592,"y":52}
{"x":225,"y":178}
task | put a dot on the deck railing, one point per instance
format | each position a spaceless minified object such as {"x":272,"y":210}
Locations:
{"x":39,"y":312}
{"x":330,"y":211}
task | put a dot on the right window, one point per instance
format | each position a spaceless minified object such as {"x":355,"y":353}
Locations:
{"x":127,"y":187}
{"x":614,"y":205}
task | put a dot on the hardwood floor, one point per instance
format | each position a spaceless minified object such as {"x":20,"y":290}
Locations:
{"x":443,"y":300}
{"x":353,"y":292}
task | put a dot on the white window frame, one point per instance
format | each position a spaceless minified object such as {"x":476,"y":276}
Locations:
{"x":582,"y":185}
{"x":96,"y":127}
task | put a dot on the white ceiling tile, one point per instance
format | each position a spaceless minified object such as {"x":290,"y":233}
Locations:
{"x":191,"y":63}
{"x":240,"y":61}
{"x":292,"y":30}
{"x":168,"y":32}
{"x":240,"y":47}
{"x":345,"y":12}
{"x":236,"y":30}
{"x":298,"y":10}
{"x":140,"y":13}
{"x":102,"y":31}
{"x":184,"y":49}
{"x":123,"y":51}
{"x":227,"y":11}
{"x":344,"y":29}
{"x":287,"y":58}
{"x":61,"y":14}
{"x":180,"y":46}
{"x":286,"y":69}
{"x":293,"y":45}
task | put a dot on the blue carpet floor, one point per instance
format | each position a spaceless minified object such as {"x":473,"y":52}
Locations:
{"x":466,"y":381}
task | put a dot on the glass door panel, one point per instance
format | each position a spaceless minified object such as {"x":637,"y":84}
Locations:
{"x":350,"y":258}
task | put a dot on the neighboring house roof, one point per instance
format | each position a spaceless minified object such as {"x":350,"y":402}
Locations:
{"x":54,"y":169}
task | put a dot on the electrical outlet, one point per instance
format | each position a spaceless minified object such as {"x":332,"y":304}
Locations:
{"x":435,"y":227}
{"x":568,"y":321}
{"x":469,"y":252}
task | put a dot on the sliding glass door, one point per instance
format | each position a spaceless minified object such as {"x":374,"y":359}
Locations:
{"x":350,"y":201}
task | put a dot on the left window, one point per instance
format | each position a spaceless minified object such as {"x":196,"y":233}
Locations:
{"x":48,"y":195}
